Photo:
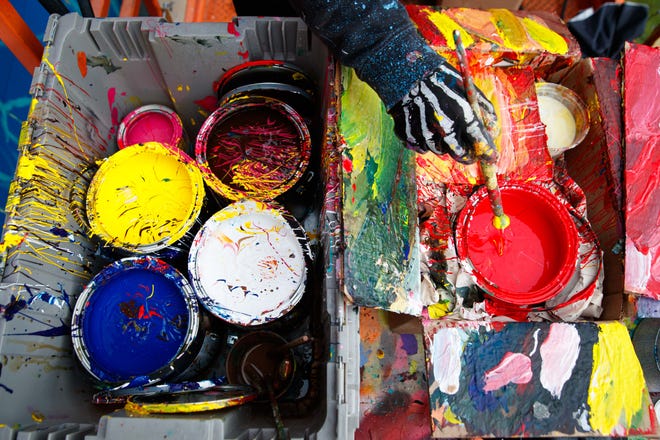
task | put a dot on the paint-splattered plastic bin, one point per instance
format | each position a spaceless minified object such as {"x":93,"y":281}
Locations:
{"x":94,"y":72}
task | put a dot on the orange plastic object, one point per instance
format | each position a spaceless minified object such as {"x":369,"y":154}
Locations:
{"x":18,"y":37}
{"x":210,"y":10}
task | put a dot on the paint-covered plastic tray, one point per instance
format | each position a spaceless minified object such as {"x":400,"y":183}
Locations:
{"x":94,"y":72}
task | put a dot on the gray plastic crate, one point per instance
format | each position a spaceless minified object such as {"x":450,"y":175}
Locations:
{"x":93,"y":73}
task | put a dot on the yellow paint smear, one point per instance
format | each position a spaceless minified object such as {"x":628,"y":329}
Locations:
{"x":509,"y":28}
{"x":11,"y":239}
{"x":617,"y":390}
{"x":438,"y":310}
{"x":446,"y":25}
{"x":143,"y":195}
{"x":546,"y":37}
{"x":28,"y":164}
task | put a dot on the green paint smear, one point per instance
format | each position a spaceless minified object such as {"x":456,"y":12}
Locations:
{"x":379,"y":205}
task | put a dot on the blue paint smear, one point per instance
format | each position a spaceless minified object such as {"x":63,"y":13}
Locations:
{"x":364,"y":355}
{"x":5,"y":387}
{"x":59,"y":232}
{"x":56,"y":330}
{"x":134,"y":324}
{"x":14,"y":306}
{"x":409,"y":344}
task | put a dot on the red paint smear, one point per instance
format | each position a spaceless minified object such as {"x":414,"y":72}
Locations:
{"x":114,"y":114}
{"x":209,"y":103}
{"x":408,"y":418}
{"x":348,"y":165}
{"x":428,"y":29}
{"x":231,"y":28}
{"x":642,"y":174}
{"x":82,"y":63}
{"x":243,"y":55}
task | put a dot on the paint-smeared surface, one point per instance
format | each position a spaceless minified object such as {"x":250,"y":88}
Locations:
{"x":521,"y":140}
{"x":393,"y":389}
{"x":535,"y":39}
{"x":642,"y":169}
{"x":504,"y":388}
{"x":378,"y":202}
{"x":248,"y":263}
{"x":596,"y":164}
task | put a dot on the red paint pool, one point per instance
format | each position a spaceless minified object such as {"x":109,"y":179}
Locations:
{"x":530,"y":261}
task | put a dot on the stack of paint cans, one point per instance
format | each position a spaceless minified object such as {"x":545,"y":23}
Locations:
{"x":186,"y":281}
{"x":257,"y":144}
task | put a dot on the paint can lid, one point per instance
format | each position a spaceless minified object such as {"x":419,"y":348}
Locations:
{"x":248,"y":263}
{"x":138,"y":318}
{"x":531,"y":260}
{"x":222,"y":396}
{"x":151,"y":123}
{"x":145,"y":197}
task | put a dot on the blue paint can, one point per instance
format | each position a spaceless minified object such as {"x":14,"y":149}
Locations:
{"x":136,"y":320}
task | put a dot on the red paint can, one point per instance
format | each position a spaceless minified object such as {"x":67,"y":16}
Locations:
{"x":528,"y":262}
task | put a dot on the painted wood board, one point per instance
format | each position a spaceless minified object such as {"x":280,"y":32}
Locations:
{"x":394,"y":401}
{"x":500,"y":36}
{"x":642,"y":169}
{"x":595,"y":164}
{"x":534,"y":379}
{"x":379,"y":213}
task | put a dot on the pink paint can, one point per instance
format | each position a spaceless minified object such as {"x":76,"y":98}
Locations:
{"x":152,"y":123}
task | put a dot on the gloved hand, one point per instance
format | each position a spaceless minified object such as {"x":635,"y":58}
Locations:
{"x":435,"y":115}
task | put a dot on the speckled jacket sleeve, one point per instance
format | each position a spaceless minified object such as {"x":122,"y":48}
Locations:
{"x":375,"y":37}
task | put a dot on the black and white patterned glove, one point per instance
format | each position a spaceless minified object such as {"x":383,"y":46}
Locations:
{"x":435,"y":115}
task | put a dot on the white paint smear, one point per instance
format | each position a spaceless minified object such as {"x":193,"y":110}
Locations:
{"x":559,"y":353}
{"x":559,"y":124}
{"x":445,"y":356}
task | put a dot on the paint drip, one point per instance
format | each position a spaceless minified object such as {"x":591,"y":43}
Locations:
{"x":530,"y":261}
{"x":248,"y":263}
{"x":253,"y":147}
{"x":145,"y":198}
{"x":152,"y":123}
{"x":138,"y":317}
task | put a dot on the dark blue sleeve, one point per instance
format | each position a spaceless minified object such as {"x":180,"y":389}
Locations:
{"x":375,"y":37}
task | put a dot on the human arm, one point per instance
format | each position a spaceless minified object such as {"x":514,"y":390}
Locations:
{"x":421,"y":90}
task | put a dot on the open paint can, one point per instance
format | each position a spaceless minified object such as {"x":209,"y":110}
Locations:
{"x":137,"y":318}
{"x":253,"y":147}
{"x":248,"y":263}
{"x":531,"y":260}
{"x":146,"y":198}
{"x":152,"y":123}
{"x":261,"y":356}
{"x":564,"y":115}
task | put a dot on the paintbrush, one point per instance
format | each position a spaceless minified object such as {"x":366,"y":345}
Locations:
{"x":488,"y":170}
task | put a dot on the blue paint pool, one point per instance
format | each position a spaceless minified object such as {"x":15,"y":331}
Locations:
{"x":134,"y":319}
